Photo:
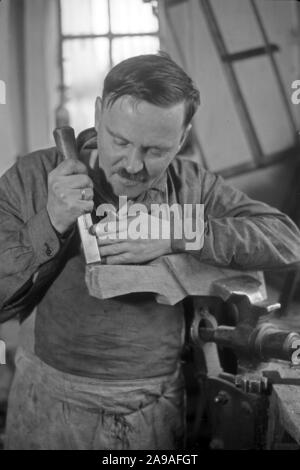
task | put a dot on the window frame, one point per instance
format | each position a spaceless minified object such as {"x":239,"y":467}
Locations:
{"x":109,"y":35}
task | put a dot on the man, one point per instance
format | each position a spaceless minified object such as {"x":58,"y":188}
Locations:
{"x":105,"y":373}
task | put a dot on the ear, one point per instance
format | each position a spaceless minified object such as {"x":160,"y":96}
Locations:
{"x":98,"y":111}
{"x":184,"y":136}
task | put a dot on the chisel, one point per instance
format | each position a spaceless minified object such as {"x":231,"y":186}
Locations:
{"x":66,"y":145}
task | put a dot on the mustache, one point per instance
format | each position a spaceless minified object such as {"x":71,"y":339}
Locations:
{"x":140,"y":177}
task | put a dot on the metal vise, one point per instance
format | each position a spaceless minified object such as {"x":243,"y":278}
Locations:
{"x":234,"y":403}
{"x":249,"y":338}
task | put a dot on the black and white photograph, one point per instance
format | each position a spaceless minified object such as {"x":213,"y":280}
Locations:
{"x":149,"y":228}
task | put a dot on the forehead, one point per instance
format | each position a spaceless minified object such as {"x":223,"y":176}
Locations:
{"x":134,"y":118}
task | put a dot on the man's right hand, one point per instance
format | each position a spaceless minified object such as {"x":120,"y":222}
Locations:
{"x":65,"y":187}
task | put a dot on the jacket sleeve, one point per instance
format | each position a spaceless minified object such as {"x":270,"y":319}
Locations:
{"x":28,"y":245}
{"x":243,"y":233}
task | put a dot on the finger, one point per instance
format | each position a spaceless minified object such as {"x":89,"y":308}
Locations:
{"x":85,"y":206}
{"x":103,"y":229}
{"x":92,"y":229}
{"x":124,"y":258}
{"x":106,"y":238}
{"x":111,"y":250}
{"x":79,"y":181}
{"x":110,"y":226}
{"x":71,"y":167}
{"x":75,"y":195}
{"x":85,"y":194}
{"x":109,"y":240}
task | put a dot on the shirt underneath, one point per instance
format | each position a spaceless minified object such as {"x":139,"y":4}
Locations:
{"x":127,"y":337}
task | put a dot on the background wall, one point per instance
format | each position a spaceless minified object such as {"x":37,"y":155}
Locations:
{"x":41,"y":70}
{"x":29,"y":67}
{"x":186,"y":37}
{"x":12,"y":130}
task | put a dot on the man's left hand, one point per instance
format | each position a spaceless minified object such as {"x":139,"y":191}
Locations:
{"x":120,"y":243}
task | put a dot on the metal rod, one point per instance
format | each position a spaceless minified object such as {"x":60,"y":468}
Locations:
{"x":248,"y":53}
{"x":232,"y":81}
{"x":109,"y":35}
{"x":60,"y":53}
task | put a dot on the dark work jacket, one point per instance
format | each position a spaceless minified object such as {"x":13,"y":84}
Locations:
{"x":129,"y":336}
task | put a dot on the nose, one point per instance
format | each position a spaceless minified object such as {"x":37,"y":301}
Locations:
{"x":135,"y":161}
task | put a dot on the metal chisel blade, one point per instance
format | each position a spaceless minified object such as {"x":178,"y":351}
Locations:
{"x":89,"y":242}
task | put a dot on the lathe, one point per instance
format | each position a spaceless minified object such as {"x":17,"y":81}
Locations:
{"x":245,"y":368}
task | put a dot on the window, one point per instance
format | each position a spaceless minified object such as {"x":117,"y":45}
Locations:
{"x":96,"y":35}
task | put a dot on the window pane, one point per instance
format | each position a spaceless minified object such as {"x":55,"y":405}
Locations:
{"x":84,"y":16}
{"x":86,"y":62}
{"x":122,"y":48}
{"x":132,"y":16}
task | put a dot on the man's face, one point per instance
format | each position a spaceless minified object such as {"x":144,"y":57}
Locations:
{"x":136,"y":142}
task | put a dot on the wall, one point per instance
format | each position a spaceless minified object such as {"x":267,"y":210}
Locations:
{"x":217,"y":125}
{"x":29,"y":66}
{"x":42,"y":73}
{"x":12,"y":132}
{"x":271,"y":185}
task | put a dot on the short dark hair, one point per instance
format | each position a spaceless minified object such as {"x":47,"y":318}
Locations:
{"x":154,"y":78}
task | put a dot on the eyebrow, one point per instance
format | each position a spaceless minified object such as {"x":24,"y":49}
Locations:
{"x":118,"y":136}
{"x":113,"y":134}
